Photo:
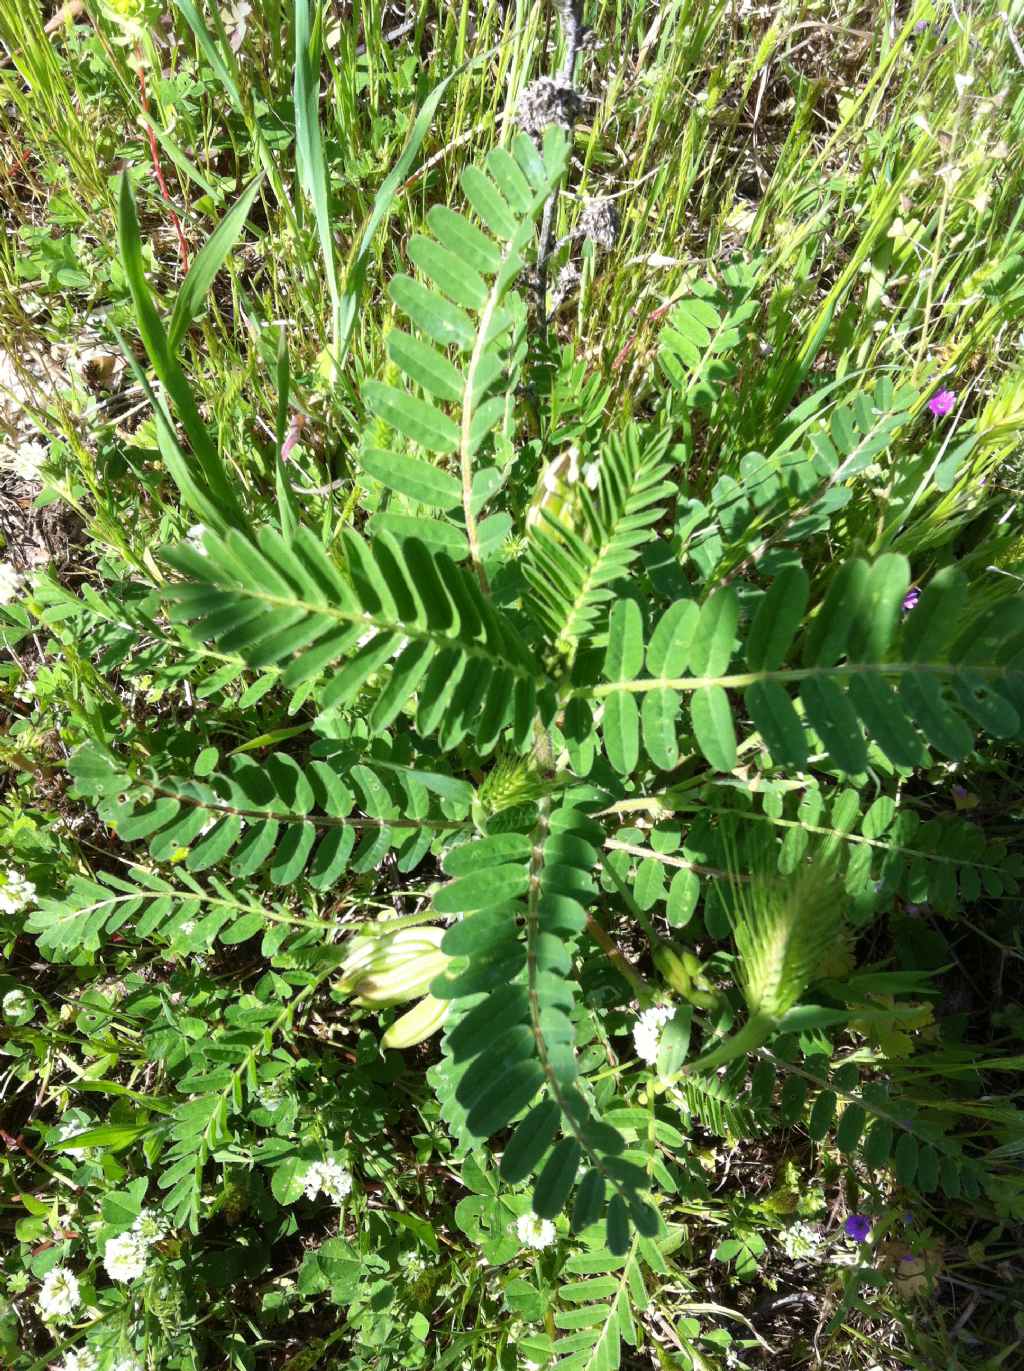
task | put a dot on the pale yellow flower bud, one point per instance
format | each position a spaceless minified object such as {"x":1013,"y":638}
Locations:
{"x":417,"y":1024}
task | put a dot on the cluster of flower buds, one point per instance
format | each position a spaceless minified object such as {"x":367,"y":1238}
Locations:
{"x":392,"y":967}
{"x":557,"y":490}
{"x":684,"y":972}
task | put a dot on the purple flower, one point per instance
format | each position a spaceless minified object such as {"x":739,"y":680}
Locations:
{"x":857,"y":1227}
{"x":911,"y":598}
{"x":942,"y":403}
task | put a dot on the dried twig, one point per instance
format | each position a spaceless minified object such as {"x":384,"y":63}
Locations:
{"x":572,"y":30}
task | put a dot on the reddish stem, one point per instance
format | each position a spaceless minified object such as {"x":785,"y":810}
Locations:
{"x":628,"y":348}
{"x":158,"y":171}
{"x":20,"y":1145}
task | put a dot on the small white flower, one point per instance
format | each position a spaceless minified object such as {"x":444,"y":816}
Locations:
{"x":83,"y":1360}
{"x":194,"y":538}
{"x":963,"y":82}
{"x":335,"y":1181}
{"x":235,"y":18}
{"x":124,"y":1257}
{"x":328,"y":1176}
{"x":564,"y":468}
{"x":270,"y":1096}
{"x":128,"y":1364}
{"x":59,"y":1296}
{"x":188,"y":927}
{"x":17,"y":1007}
{"x":311,"y":1180}
{"x":11,"y":582}
{"x":15,"y":892}
{"x":26,"y":460}
{"x":647,"y":1031}
{"x":800,"y":1241}
{"x":535,"y":1232}
{"x":149,"y":1227}
{"x":592,"y":474}
{"x":68,"y":1130}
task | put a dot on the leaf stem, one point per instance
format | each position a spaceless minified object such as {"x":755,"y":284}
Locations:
{"x":641,"y":988}
{"x":739,"y":680}
{"x":754,"y":1034}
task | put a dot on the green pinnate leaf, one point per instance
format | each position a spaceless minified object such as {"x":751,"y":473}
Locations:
{"x":711,"y":648}
{"x":659,"y":712}
{"x":713,"y":726}
{"x":825,"y":639}
{"x":621,"y":729}
{"x":835,"y":720}
{"x":556,"y":1179}
{"x":777,"y":620}
{"x":420,"y":421}
{"x":774,"y":716}
{"x":532,"y":1138}
{"x":624,"y":655}
{"x":669,"y":648}
{"x":482,"y":889}
{"x":408,"y":476}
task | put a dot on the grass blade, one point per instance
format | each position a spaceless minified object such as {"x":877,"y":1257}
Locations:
{"x":210,"y":494}
{"x":309,"y":149}
{"x":208,"y":262}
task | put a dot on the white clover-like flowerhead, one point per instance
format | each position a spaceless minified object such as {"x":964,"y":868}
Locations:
{"x":801,"y":1241}
{"x":149,"y":1227}
{"x":11,"y":582}
{"x":647,"y":1031}
{"x":194,"y":538}
{"x":335,"y":1181}
{"x":17,"y":1007}
{"x":82,"y":1360}
{"x":271,"y":1095}
{"x":68,"y":1129}
{"x":235,"y":18}
{"x":311,"y":1180}
{"x":15,"y":891}
{"x":535,"y":1232}
{"x":27,"y":459}
{"x":328,"y":1177}
{"x":124,"y":1257}
{"x":59,"y":1295}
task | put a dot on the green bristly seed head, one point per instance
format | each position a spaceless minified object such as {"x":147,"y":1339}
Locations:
{"x":783,"y":928}
{"x":513,"y":781}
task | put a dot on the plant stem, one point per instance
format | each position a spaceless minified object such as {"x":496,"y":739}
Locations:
{"x":749,"y":1038}
{"x":618,"y":959}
